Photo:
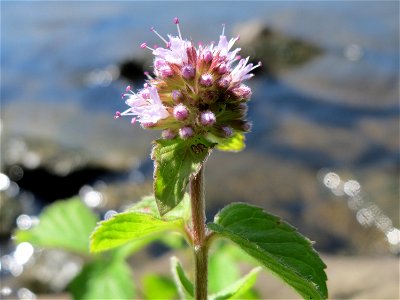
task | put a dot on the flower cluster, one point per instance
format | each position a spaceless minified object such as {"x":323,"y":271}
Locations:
{"x":194,"y":90}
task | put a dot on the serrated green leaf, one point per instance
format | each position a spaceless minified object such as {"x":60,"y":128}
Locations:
{"x":276,"y":245}
{"x":239,"y":287}
{"x":158,"y":287}
{"x":130,"y":226}
{"x":103,"y":280}
{"x":64,"y":224}
{"x":235,"y":143}
{"x":176,"y":161}
{"x":183,"y":283}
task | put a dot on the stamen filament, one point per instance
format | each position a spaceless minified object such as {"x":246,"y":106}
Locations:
{"x":176,"y":21}
{"x":144,"y":45}
{"x":159,"y":35}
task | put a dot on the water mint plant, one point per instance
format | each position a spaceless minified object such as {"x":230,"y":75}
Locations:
{"x":197,"y":98}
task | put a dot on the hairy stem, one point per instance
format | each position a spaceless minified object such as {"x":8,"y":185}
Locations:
{"x":199,"y":235}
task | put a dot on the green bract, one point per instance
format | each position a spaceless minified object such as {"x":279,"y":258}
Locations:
{"x":176,"y":161}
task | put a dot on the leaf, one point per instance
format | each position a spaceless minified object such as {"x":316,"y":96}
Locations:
{"x":238,"y":288}
{"x":158,"y":287}
{"x":276,"y":245}
{"x":176,"y":161}
{"x":65,"y":224}
{"x":235,"y":143}
{"x":185,"y":286}
{"x":223,"y":270}
{"x":130,"y":226}
{"x":103,"y":280}
{"x":148,"y":205}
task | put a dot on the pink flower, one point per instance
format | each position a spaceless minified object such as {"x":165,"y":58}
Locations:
{"x":175,"y":53}
{"x":146,"y":106}
{"x":242,"y":70}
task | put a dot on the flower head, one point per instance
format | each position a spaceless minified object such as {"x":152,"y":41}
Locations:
{"x":194,"y":90}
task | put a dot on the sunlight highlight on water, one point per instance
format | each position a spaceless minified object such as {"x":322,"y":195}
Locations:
{"x":24,"y":293}
{"x":23,"y":253}
{"x":91,"y":197}
{"x":4,"y":182}
{"x":367,"y":213}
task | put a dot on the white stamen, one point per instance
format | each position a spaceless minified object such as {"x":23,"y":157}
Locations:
{"x":256,"y":66}
{"x":159,"y":35}
{"x":223,"y":29}
{"x":144,"y":45}
{"x":176,"y":21}
{"x":147,"y":74}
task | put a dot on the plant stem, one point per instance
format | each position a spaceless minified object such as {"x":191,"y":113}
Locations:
{"x":199,"y":235}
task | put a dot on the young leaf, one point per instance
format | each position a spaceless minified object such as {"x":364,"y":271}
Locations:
{"x":64,"y":225}
{"x":222,"y":269}
{"x":185,"y":286}
{"x":103,"y":280}
{"x":238,"y":288}
{"x":276,"y":245}
{"x":235,"y":143}
{"x":148,"y":205}
{"x":158,"y":287}
{"x":176,"y":161}
{"x":129,"y":226}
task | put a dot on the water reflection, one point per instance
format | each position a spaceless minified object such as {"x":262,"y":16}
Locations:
{"x":25,"y":294}
{"x":109,"y":214}
{"x":5,"y":291}
{"x":91,"y":197}
{"x":25,"y":222}
{"x":367,"y":213}
{"x":102,"y":77}
{"x":4,"y":182}
{"x":9,"y":264}
{"x":16,"y":172}
{"x":353,"y":52}
{"x":23,"y":253}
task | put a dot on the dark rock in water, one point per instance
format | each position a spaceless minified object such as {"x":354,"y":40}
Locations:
{"x":48,"y":186}
{"x":132,"y":70}
{"x":275,"y":50}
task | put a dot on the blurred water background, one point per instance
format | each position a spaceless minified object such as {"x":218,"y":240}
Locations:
{"x":323,"y":152}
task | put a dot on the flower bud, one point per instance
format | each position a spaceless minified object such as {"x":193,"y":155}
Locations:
{"x":158,"y":63}
{"x":187,"y":71}
{"x":206,"y":80}
{"x":207,"y":56}
{"x":177,"y":96}
{"x":165,"y":71}
{"x":227,"y":131}
{"x":168,"y":134}
{"x":186,"y":132}
{"x":224,"y":82}
{"x":246,"y":127}
{"x":181,"y":112}
{"x":222,"y":69}
{"x":207,"y":118}
{"x":208,"y":96}
{"x":242,"y":91}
